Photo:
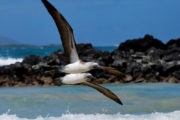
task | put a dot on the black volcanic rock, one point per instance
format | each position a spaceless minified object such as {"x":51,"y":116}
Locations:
{"x":173,"y":43}
{"x":142,"y":44}
{"x":56,"y":58}
{"x":149,"y":59}
{"x":172,"y":54}
{"x":82,"y":46}
{"x":32,"y":60}
{"x":88,"y":53}
{"x":141,"y":60}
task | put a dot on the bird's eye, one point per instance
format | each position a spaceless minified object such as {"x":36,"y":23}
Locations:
{"x":89,"y":77}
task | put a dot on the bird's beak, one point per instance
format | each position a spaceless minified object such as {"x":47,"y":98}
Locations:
{"x":97,"y":67}
{"x":92,"y":77}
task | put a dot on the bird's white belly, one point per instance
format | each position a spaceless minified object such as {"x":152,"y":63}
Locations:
{"x":73,"y":78}
{"x":76,"y":68}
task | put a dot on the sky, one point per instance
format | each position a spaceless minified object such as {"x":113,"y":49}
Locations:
{"x":100,"y":22}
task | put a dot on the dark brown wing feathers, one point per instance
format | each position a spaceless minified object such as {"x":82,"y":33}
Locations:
{"x":104,"y":91}
{"x":65,"y":30}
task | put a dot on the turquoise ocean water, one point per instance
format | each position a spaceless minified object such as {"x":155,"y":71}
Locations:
{"x":158,"y":101}
{"x":21,"y":52}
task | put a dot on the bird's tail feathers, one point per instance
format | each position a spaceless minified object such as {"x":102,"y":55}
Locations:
{"x":113,"y":71}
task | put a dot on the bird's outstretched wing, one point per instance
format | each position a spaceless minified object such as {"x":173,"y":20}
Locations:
{"x":104,"y":91}
{"x":65,"y":31}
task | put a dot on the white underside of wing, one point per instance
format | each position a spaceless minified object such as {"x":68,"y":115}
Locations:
{"x":74,"y":56}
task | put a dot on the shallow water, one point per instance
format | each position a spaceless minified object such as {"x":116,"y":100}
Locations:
{"x":140,"y":100}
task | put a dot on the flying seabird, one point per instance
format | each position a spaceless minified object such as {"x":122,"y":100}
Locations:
{"x":67,"y":37}
{"x":76,"y":68}
{"x":83,"y":78}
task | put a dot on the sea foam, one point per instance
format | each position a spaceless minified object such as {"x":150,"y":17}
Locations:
{"x":8,"y":61}
{"x":153,"y":116}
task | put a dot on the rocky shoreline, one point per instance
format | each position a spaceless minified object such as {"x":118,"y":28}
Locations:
{"x":141,"y":60}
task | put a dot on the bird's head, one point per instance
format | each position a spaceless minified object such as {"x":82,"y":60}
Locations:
{"x":94,"y":65}
{"x":89,"y":77}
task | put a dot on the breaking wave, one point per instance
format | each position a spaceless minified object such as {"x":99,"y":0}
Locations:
{"x":153,"y":116}
{"x":8,"y":61}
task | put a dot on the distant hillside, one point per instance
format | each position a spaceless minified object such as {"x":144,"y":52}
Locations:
{"x":7,"y":41}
